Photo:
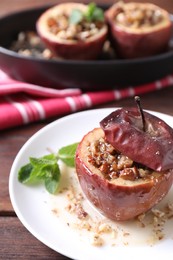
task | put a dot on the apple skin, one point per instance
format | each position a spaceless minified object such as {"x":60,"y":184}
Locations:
{"x":76,"y":51}
{"x":115,"y":200}
{"x":132,"y":44}
{"x":153,"y":148}
{"x":70,"y":49}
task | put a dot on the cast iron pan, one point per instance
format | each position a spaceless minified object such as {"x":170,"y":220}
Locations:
{"x":88,"y":75}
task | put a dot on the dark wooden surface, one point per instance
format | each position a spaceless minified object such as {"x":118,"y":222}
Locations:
{"x":15,"y":241}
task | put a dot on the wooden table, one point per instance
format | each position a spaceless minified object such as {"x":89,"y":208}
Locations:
{"x":15,"y":241}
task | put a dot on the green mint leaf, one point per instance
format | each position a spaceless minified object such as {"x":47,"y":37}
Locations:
{"x":24,"y":173}
{"x":90,"y":11}
{"x":46,"y":169}
{"x":40,"y":173}
{"x":76,"y":16}
{"x":98,"y":15}
{"x":52,"y":182}
{"x":67,"y":154}
{"x":94,"y":13}
{"x":45,"y":160}
{"x":41,"y":169}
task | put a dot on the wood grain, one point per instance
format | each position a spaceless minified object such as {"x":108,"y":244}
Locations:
{"x":16,"y":242}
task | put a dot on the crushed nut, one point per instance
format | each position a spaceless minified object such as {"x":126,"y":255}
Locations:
{"x":104,"y":228}
{"x":96,"y":240}
{"x":113,"y":164}
{"x":61,"y":27}
{"x":137,"y":17}
{"x":158,"y":213}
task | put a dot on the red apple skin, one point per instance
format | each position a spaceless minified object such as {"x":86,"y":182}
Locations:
{"x":70,"y":49}
{"x":153,"y":148}
{"x":115,"y":201}
{"x":130,"y":45}
{"x":78,"y":51}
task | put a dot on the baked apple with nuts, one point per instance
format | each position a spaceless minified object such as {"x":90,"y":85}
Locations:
{"x":73,"y":30}
{"x":138,"y":29}
{"x":143,"y":137}
{"x":123,"y":185}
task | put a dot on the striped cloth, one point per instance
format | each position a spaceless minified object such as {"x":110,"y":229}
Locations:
{"x":22,"y":103}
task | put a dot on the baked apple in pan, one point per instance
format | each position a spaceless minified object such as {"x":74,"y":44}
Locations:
{"x":138,"y":29}
{"x":73,"y":30}
{"x":120,"y":187}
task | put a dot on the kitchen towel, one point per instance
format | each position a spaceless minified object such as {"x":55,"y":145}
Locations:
{"x":23,"y":103}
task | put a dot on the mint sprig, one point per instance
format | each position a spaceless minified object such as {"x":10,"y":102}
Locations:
{"x":92,"y":14}
{"x":46,"y":169}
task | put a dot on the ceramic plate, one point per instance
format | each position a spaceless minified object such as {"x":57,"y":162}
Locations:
{"x":52,"y":220}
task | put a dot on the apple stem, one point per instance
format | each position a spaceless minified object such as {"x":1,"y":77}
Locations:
{"x":138,"y":102}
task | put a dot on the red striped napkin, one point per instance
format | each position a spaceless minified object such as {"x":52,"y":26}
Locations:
{"x":22,"y":103}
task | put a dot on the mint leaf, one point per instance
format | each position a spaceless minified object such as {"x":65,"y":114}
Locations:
{"x":98,"y":15}
{"x":41,"y":169}
{"x":90,"y":11}
{"x":40,"y":173}
{"x":46,"y":169}
{"x":52,"y":182}
{"x":94,"y":13}
{"x":76,"y":16}
{"x":45,"y":160}
{"x":67,"y":154}
{"x":24,"y":173}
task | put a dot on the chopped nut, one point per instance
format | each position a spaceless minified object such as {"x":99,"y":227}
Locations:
{"x":113,"y":164}
{"x":81,"y":213}
{"x":137,"y":17}
{"x":158,"y":213}
{"x":126,"y":234}
{"x":104,"y":228}
{"x":114,"y":234}
{"x":141,"y":217}
{"x":129,"y":174}
{"x":61,"y":27}
{"x":86,"y":225}
{"x":47,"y":54}
{"x":124,"y":162}
{"x":96,"y":240}
{"x":55,"y":211}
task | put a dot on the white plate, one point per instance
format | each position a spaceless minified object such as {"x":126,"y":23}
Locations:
{"x":46,"y":217}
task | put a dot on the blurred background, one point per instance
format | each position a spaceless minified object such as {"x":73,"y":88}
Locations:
{"x":7,"y":6}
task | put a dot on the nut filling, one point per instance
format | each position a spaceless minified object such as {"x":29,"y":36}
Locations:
{"x":113,"y":164}
{"x":136,"y":17}
{"x":63,"y":29}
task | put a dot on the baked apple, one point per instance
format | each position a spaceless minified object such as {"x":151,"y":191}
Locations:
{"x":73,"y":30}
{"x":153,"y":147}
{"x":120,"y":187}
{"x":138,"y":29}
